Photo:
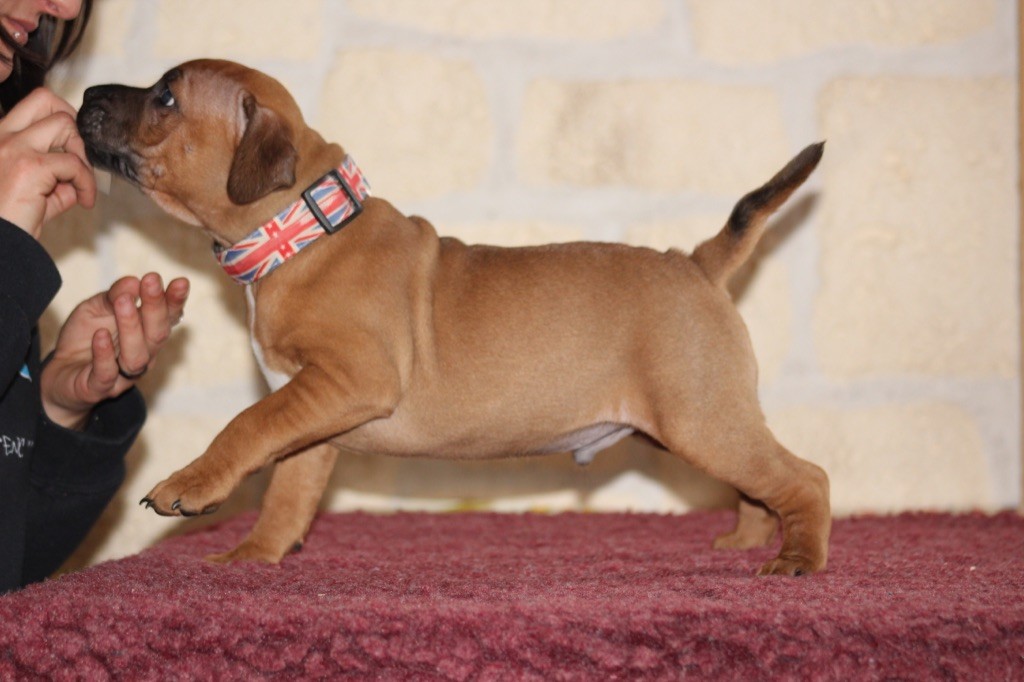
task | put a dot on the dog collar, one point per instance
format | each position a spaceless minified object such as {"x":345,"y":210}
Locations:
{"x":325,"y":207}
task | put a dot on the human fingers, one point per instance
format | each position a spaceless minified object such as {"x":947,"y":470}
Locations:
{"x":63,"y":197}
{"x":74,"y":144}
{"x":59,"y":200}
{"x":128,"y":285}
{"x":103,"y":373}
{"x":177,"y":295}
{"x":134,"y":356}
{"x":64,"y":171}
{"x":37,"y":105}
{"x":156,"y":323}
{"x":56,"y":132}
{"x":61,"y":129}
{"x":50,"y":133}
{"x":37,"y":187}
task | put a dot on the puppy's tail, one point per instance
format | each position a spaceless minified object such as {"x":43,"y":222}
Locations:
{"x":724,"y":253}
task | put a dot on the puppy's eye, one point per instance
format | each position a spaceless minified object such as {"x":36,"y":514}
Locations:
{"x":167,"y":98}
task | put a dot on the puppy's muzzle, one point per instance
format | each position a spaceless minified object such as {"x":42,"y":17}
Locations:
{"x":103,"y":122}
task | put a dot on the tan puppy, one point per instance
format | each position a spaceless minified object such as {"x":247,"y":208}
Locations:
{"x":384,"y":338}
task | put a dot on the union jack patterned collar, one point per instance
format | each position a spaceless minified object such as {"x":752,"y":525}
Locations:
{"x":326,"y":206}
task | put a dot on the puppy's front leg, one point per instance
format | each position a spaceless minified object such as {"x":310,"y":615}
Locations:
{"x":310,"y":408}
{"x":289,"y":506}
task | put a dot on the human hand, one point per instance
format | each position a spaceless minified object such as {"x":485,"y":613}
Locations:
{"x":107,"y":343}
{"x":43,"y":167}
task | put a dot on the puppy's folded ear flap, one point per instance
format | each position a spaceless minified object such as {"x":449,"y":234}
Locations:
{"x":265,"y":158}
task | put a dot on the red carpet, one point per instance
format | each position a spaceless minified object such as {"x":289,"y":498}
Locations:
{"x":492,"y":597}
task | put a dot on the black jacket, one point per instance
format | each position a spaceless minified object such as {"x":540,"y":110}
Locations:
{"x":54,"y":482}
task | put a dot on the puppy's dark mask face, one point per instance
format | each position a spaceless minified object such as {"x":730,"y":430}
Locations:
{"x":119,"y":122}
{"x":199,"y":142}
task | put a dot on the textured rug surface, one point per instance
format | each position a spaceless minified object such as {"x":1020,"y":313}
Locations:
{"x":530,"y":597}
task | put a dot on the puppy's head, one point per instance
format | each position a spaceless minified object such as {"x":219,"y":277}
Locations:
{"x":209,"y":142}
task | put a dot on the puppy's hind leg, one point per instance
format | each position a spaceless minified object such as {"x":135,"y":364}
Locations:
{"x":756,"y":526}
{"x":741,"y":451}
{"x":289,"y":505}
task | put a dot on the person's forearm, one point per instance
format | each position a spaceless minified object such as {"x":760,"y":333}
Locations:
{"x":28,"y":282}
{"x":74,"y":476}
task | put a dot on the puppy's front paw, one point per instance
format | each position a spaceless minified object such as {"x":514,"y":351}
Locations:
{"x":186,"y":493}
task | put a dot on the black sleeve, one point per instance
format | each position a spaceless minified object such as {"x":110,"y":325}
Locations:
{"x":74,"y":475}
{"x":71,"y":475}
{"x":28,"y":282}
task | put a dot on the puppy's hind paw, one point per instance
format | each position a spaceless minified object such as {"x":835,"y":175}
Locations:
{"x":247,"y":551}
{"x":791,"y":566}
{"x":744,"y":540}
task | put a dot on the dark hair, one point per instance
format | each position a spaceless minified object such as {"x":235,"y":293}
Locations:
{"x":52,"y":42}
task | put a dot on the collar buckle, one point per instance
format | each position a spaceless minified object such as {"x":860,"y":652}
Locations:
{"x":314,"y":208}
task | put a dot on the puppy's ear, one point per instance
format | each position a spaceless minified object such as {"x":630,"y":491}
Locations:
{"x":265,"y":158}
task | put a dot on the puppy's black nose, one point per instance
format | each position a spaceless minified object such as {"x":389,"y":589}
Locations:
{"x":90,"y":117}
{"x":96,"y":94}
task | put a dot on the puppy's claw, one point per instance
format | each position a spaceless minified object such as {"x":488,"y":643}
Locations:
{"x":150,"y":503}
{"x":181,"y":510}
{"x":188,"y":512}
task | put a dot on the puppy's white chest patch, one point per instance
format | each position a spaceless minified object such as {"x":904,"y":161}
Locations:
{"x":274,"y":378}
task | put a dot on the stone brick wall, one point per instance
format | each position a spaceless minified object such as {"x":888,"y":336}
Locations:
{"x":883,"y":305}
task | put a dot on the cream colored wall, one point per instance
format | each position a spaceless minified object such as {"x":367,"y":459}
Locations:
{"x":883,"y":308}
